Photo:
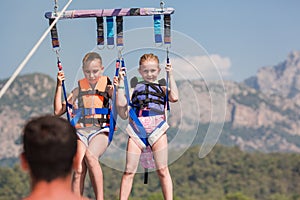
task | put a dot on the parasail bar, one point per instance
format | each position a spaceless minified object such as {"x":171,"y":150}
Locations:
{"x":70,"y":14}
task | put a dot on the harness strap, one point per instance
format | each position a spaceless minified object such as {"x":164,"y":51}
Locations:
{"x":119,"y":22}
{"x":158,"y":132}
{"x":110,"y":31}
{"x":140,"y":127}
{"x":91,"y":92}
{"x":54,"y":35}
{"x":88,"y":111}
{"x":126,"y":82}
{"x":100,"y":32}
{"x":149,"y":113}
{"x":94,"y":120}
{"x":138,"y":132}
{"x":114,"y":114}
{"x":147,"y":92}
{"x":144,"y":103}
{"x":167,"y":29}
{"x":157,"y":29}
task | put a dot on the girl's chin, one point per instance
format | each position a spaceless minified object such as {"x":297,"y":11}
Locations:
{"x":92,"y":81}
{"x":150,"y":80}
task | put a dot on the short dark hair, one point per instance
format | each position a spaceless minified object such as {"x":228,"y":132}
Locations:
{"x":50,"y":145}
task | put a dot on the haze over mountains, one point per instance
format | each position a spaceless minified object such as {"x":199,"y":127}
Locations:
{"x":262,"y":112}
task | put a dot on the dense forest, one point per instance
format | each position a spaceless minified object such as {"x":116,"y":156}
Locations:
{"x":227,"y":173}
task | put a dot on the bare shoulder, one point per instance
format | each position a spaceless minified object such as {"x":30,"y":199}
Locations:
{"x":75,"y":91}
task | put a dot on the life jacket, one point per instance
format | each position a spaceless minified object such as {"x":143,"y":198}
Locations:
{"x":150,"y":97}
{"x":148,"y":101}
{"x":93,"y":104}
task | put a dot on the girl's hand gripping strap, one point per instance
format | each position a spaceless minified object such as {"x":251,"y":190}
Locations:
{"x":113,"y":113}
{"x":59,"y":65}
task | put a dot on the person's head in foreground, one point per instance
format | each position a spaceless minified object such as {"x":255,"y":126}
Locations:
{"x":49,"y":147}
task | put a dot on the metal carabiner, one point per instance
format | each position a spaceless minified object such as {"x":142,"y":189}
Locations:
{"x":162,"y":5}
{"x":55,"y":7}
{"x":120,"y":49}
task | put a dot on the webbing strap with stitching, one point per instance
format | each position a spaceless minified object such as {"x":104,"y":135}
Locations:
{"x":110,"y":31}
{"x":139,"y":125}
{"x":88,"y":111}
{"x":157,"y":29}
{"x":167,"y":29}
{"x":100,"y":31}
{"x":119,"y":22}
{"x":113,"y":115}
{"x":54,"y":35}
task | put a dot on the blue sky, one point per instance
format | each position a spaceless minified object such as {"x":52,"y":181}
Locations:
{"x":239,"y":36}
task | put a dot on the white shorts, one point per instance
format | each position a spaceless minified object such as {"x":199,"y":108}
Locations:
{"x":88,"y":133}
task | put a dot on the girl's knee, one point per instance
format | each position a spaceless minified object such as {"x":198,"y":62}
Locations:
{"x":90,"y":158}
{"x":163,"y":171}
{"x":79,"y":172}
{"x":129,"y":174}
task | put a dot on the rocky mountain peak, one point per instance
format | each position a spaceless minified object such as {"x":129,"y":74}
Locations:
{"x":282,"y":79}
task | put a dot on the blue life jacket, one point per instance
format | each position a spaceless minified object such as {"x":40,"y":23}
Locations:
{"x":148,"y":96}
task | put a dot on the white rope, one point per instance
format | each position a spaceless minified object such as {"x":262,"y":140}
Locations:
{"x":30,"y":54}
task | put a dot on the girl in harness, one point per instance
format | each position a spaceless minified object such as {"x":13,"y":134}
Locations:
{"x":148,"y":104}
{"x":90,"y":106}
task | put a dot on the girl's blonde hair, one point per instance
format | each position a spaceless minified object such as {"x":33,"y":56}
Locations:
{"x":149,"y":56}
{"x":90,"y":57}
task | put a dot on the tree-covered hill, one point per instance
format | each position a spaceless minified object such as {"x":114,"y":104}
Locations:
{"x":227,"y":173}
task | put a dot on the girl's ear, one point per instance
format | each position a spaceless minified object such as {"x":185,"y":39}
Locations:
{"x":23,"y":162}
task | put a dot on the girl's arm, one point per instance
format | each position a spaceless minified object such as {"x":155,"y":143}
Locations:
{"x":59,"y":106}
{"x":121,"y":100}
{"x":173,"y":90}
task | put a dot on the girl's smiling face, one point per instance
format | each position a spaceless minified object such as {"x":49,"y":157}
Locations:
{"x":93,"y":71}
{"x":149,"y":70}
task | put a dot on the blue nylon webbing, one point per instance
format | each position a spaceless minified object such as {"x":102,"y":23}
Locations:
{"x":88,"y":111}
{"x":126,"y":83}
{"x":110,"y":30}
{"x":143,"y":133}
{"x":113,"y":115}
{"x":157,"y":29}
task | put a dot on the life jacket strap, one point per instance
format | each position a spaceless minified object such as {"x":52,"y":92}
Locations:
{"x":94,"y":92}
{"x":99,"y":121}
{"x":149,"y":113}
{"x":81,"y":112}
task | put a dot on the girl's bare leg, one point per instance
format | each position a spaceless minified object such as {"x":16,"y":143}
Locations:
{"x":95,"y":149}
{"x":132,"y":160}
{"x":79,"y":169}
{"x":160,"y":152}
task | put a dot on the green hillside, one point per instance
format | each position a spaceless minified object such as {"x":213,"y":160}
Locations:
{"x":227,"y":173}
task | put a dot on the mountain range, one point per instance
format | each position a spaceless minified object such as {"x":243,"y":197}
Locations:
{"x":262,"y":112}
